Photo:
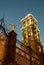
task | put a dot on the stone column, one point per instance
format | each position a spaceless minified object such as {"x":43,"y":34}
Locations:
{"x":12,"y":42}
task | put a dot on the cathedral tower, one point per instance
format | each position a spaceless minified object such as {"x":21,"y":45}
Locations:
{"x":30,"y":32}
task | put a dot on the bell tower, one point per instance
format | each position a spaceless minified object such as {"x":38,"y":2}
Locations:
{"x":30,"y":31}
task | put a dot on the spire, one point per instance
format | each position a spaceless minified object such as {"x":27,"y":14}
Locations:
{"x":1,"y":21}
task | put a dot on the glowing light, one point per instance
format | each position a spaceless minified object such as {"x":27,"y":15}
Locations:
{"x":39,"y":48}
{"x":22,"y":53}
{"x":17,"y":50}
{"x":32,"y":59}
{"x":27,"y":56}
{"x":0,"y":62}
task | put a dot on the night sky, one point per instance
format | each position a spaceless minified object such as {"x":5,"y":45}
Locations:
{"x":14,"y":10}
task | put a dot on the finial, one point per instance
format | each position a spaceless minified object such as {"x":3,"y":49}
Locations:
{"x":12,"y":26}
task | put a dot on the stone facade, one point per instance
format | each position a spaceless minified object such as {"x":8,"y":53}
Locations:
{"x":30,"y":50}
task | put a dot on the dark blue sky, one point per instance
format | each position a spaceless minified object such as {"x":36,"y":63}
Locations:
{"x":15,"y":10}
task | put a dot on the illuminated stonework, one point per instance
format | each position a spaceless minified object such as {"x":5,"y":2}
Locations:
{"x":31,"y":37}
{"x":29,"y":29}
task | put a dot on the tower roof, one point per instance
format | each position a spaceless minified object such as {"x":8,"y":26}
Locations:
{"x":28,"y":15}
